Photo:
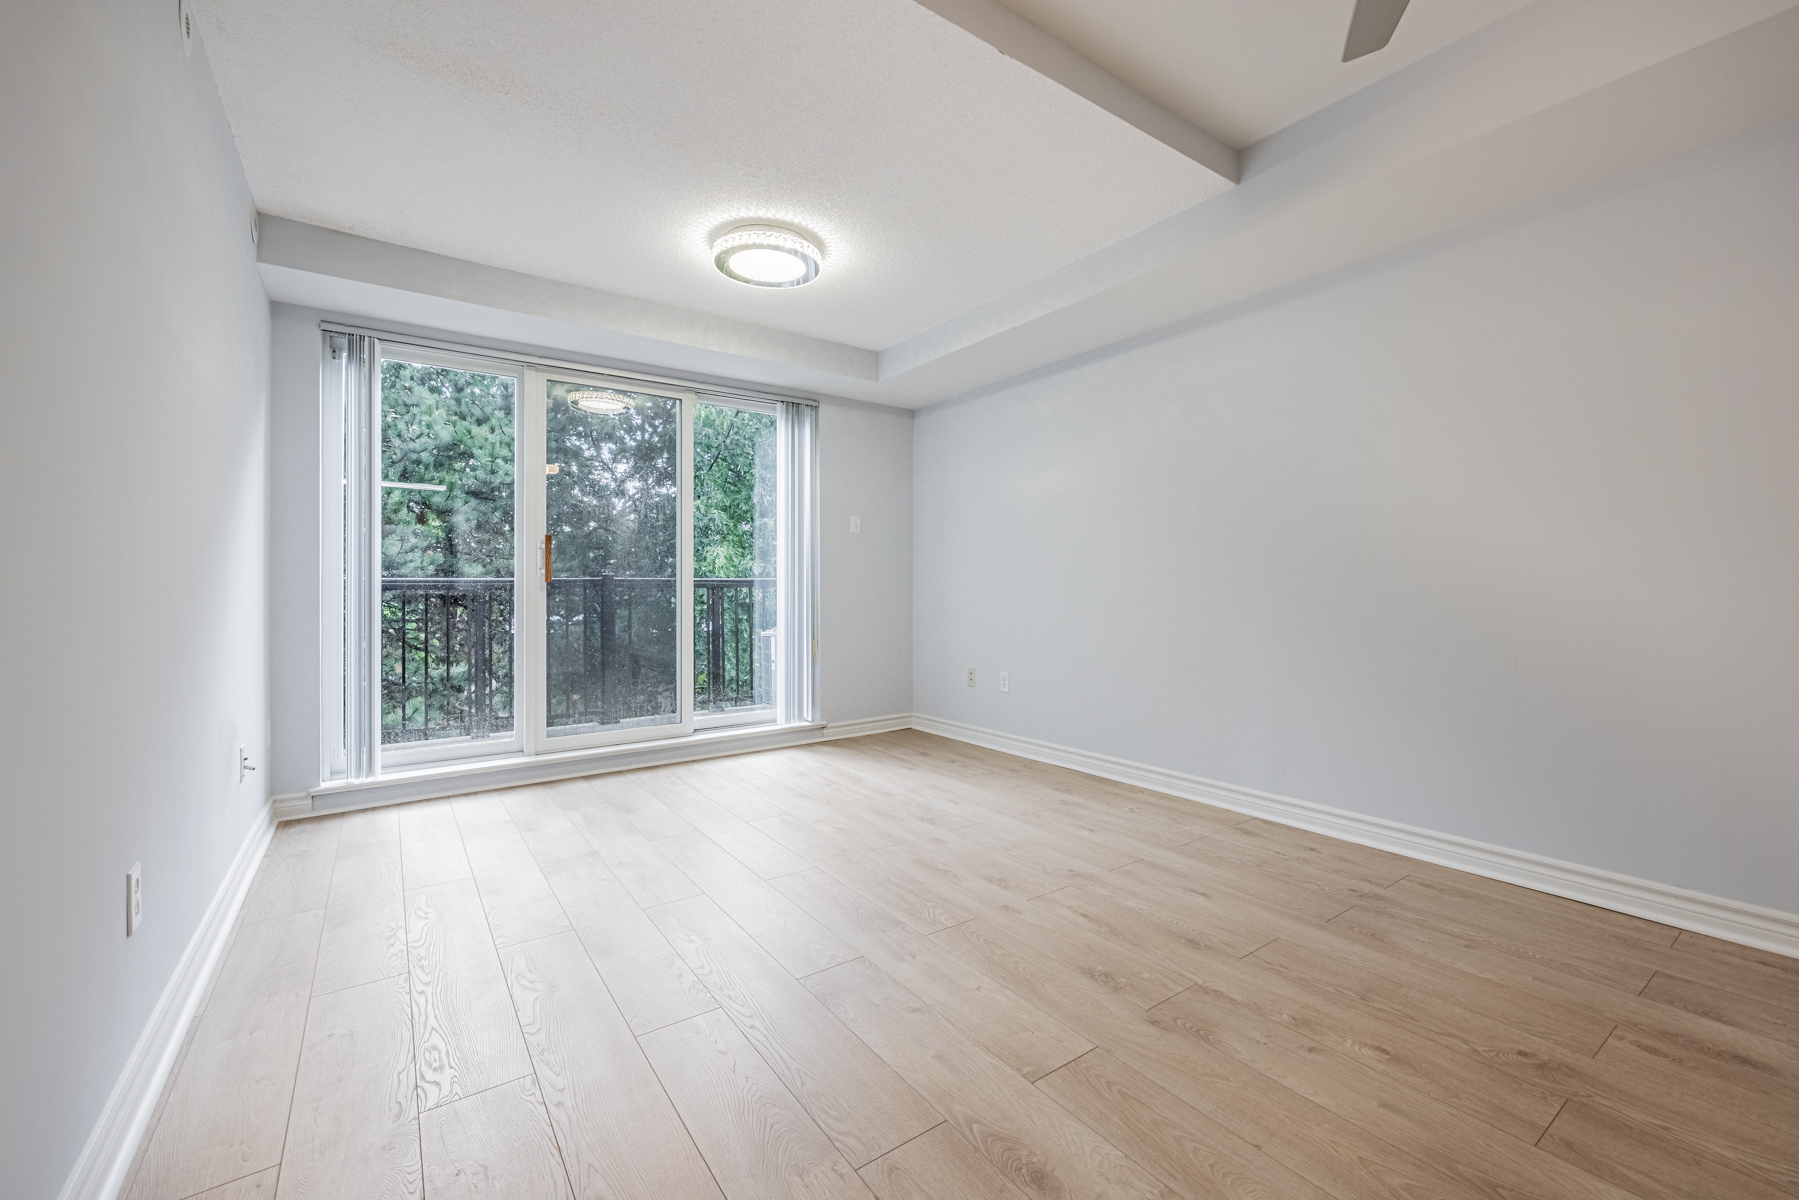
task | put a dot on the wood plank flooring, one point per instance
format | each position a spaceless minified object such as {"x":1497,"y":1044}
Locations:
{"x":906,"y":968}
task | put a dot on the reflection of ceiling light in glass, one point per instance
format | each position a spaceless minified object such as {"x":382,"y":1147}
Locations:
{"x":766,"y":256}
{"x":603,"y":402}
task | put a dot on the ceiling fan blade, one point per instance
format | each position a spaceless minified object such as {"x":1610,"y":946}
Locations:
{"x":1372,"y":26}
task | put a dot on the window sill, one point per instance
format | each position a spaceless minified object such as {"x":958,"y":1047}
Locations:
{"x":513,"y":770}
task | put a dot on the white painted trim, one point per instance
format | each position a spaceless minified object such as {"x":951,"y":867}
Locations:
{"x":100,"y":1170}
{"x":1732,"y":920}
{"x":286,"y":808}
{"x":1717,"y":916}
{"x":462,"y":778}
{"x":734,"y":718}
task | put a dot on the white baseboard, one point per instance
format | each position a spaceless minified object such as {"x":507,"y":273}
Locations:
{"x":286,"y":808}
{"x":460,"y":779}
{"x":1731,"y":920}
{"x":100,"y":1170}
{"x":866,"y":727}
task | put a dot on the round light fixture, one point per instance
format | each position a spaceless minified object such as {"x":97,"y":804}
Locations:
{"x":766,"y":256}
{"x":602,"y":402}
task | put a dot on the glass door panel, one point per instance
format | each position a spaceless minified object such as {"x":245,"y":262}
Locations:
{"x":734,"y":564}
{"x":615,"y":659}
{"x":446,"y":605}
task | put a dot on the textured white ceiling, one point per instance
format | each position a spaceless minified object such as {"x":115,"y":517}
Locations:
{"x":1563,"y":94}
{"x":1242,"y":69}
{"x":548,"y":174}
{"x":604,"y":143}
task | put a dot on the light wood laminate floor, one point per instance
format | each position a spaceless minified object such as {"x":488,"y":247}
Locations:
{"x":905,"y":967}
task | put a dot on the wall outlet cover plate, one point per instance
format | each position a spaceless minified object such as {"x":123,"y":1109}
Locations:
{"x":134,"y":898}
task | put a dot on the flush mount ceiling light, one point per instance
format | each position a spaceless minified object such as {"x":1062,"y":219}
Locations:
{"x":602,"y":402}
{"x":766,"y":256}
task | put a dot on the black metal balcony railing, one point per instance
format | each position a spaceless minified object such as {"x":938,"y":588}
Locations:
{"x":447,"y":652}
{"x":733,"y":643}
{"x":611,"y":645}
{"x":446,"y":659}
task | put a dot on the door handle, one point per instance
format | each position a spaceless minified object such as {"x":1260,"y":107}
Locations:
{"x":546,"y":557}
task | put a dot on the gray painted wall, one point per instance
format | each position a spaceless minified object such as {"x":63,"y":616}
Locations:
{"x":134,"y":329}
{"x":1496,"y":538}
{"x":865,"y":453}
{"x":865,"y":625}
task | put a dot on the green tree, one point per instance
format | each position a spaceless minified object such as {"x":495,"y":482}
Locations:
{"x":733,"y":493}
{"x":446,"y":654}
{"x":453,"y":429}
{"x":613,"y":505}
{"x":733,"y":538}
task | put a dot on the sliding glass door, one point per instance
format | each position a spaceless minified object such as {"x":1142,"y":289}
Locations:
{"x":538,"y":558}
{"x":612,"y":597}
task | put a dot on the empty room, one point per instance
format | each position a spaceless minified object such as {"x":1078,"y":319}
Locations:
{"x":900,"y":600}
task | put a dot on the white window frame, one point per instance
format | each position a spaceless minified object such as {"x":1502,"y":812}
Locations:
{"x":338,"y":530}
{"x":350,"y":716}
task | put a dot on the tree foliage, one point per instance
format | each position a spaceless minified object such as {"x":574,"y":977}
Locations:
{"x":613,"y":506}
{"x":453,"y":429}
{"x":733,"y":493}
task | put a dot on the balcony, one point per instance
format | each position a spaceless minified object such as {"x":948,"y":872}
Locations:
{"x":447,"y":652}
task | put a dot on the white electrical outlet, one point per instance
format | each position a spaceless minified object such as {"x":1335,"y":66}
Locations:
{"x":134,"y":898}
{"x":971,"y":677}
{"x":1005,"y":681}
{"x":243,"y":763}
{"x":855,"y":524}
